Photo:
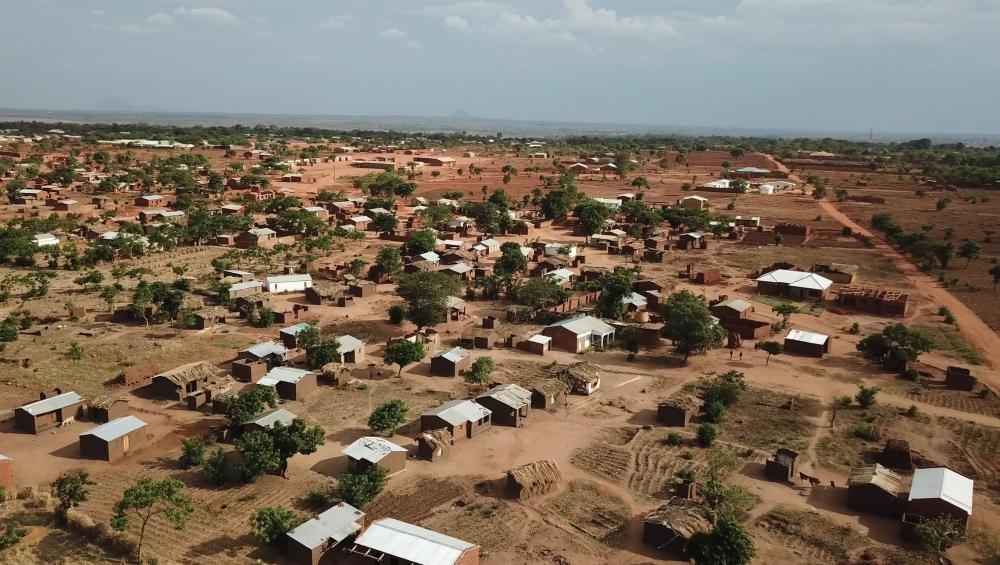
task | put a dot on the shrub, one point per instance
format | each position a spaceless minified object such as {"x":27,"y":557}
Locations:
{"x":866,"y":396}
{"x":192,"y":452}
{"x":855,"y":329}
{"x":358,"y":489}
{"x":715,"y":412}
{"x":271,"y":523}
{"x":685,"y":474}
{"x":396,"y":314}
{"x":911,"y":374}
{"x":673,"y":439}
{"x":912,"y":411}
{"x":707,"y":434}
{"x":214,"y":467}
{"x":867,"y":432}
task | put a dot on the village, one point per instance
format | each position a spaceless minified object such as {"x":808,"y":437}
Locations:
{"x":340,"y":348}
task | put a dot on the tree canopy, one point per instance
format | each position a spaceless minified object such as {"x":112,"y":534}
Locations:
{"x":690,"y":325}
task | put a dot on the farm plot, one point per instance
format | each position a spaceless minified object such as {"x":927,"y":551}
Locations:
{"x":808,"y":536}
{"x":975,"y":453}
{"x":854,"y":431}
{"x":643,"y":463}
{"x":937,"y":395}
{"x":594,"y":510}
{"x":765,"y":419}
{"x":486,"y":522}
{"x":352,"y":404}
{"x":415,"y":499}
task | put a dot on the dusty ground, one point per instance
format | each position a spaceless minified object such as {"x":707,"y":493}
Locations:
{"x":615,"y":464}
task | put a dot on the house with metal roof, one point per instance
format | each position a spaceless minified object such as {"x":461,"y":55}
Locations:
{"x":311,"y":540}
{"x":351,"y":349}
{"x":45,"y":240}
{"x":288,"y":283}
{"x":289,"y":382}
{"x":797,"y":285}
{"x":563,"y":277}
{"x":114,"y":440}
{"x":266,"y":420}
{"x":245,"y":288}
{"x":462,"y":418}
{"x":391,"y":541}
{"x":581,"y":333}
{"x":370,"y":450}
{"x":450,"y":362}
{"x":48,"y":412}
{"x":289,"y":335}
{"x":937,"y":492}
{"x":733,"y":309}
{"x":509,"y":404}
{"x":806,"y":343}
{"x":271,"y":352}
{"x":694,"y":201}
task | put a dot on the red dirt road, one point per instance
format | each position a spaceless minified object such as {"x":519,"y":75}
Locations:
{"x":980,"y":335}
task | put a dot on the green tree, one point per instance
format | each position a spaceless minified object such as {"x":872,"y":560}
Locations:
{"x":147,"y":499}
{"x":296,"y":438}
{"x":192,"y":452}
{"x":481,"y":371}
{"x":715,"y":412}
{"x":896,"y":346}
{"x":243,"y":407}
{"x":690,"y":325}
{"x":421,"y":242}
{"x":426,"y":294}
{"x":727,"y":544}
{"x":92,"y":279}
{"x":326,"y":351}
{"x":358,"y":489}
{"x":541,"y":292}
{"x":785,"y":310}
{"x":615,"y":286}
{"x":396,"y":314}
{"x":258,"y":455}
{"x":388,"y":416}
{"x":271,"y":523}
{"x":866,"y":396}
{"x":591,"y":215}
{"x":969,"y":251}
{"x":76,"y":351}
{"x":389,"y":260}
{"x":511,"y":259}
{"x":938,"y":534}
{"x":70,"y":490}
{"x":383,"y":223}
{"x":403,"y":353}
{"x":769,"y":347}
{"x":214,"y":467}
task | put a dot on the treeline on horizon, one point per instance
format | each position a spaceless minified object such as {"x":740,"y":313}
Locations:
{"x":948,"y":163}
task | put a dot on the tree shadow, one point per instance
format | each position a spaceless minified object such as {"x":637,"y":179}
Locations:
{"x":230,"y":545}
{"x":70,"y":451}
{"x":332,"y":467}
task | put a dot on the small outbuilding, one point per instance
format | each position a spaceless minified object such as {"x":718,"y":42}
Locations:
{"x":936,"y":492}
{"x":806,"y":343}
{"x":270,"y":352}
{"x":311,"y":540}
{"x":370,"y":450}
{"x":509,"y":403}
{"x":782,"y":466}
{"x":450,"y":362}
{"x":959,"y":378}
{"x":289,"y":382}
{"x":47,"y":413}
{"x":434,"y":443}
{"x":677,"y":411}
{"x":875,"y":489}
{"x":391,"y":541}
{"x":669,"y":527}
{"x":289,"y":335}
{"x":114,"y":440}
{"x":108,"y":408}
{"x":351,"y":350}
{"x":179,"y":382}
{"x":288,"y":283}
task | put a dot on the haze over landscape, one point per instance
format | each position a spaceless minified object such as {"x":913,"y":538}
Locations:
{"x":791,"y":65}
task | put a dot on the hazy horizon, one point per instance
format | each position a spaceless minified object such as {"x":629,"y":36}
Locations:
{"x":897,"y":66}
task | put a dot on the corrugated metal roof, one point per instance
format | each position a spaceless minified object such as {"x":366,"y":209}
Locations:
{"x":245,"y":285}
{"x":285,"y":374}
{"x":52,"y":404}
{"x":430,"y":256}
{"x":5,"y":458}
{"x":267,"y":419}
{"x":413,"y":543}
{"x":116,"y":428}
{"x":737,"y":304}
{"x":455,"y":354}
{"x":806,"y":337}
{"x":945,"y":484}
{"x":299,"y":277}
{"x":371,"y":448}
{"x":294,"y":330}
{"x":512,"y":395}
{"x":584,"y":325}
{"x":458,"y":412}
{"x":337,"y":523}
{"x":454,"y":302}
{"x":262,"y":350}
{"x":539,"y":338}
{"x":797,"y":279}
{"x":349,"y":343}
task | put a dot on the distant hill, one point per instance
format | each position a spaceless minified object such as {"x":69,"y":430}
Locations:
{"x":115,"y":104}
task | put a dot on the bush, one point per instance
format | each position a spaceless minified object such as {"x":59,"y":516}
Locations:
{"x":912,"y":411}
{"x":855,"y":329}
{"x":911,"y":374}
{"x":358,"y":489}
{"x":319,"y":498}
{"x":707,"y":434}
{"x":715,"y":412}
{"x":673,"y":439}
{"x":214,"y":467}
{"x":271,"y":523}
{"x":866,"y":396}
{"x":685,"y":474}
{"x":192,"y":452}
{"x":396,"y":314}
{"x":867,"y":432}
{"x":11,"y":534}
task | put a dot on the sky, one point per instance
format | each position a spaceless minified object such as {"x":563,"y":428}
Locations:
{"x":832,"y":65}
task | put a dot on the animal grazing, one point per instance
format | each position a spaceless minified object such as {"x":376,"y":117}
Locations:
{"x":67,"y":422}
{"x":813,"y":481}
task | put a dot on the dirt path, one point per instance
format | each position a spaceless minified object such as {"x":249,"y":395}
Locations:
{"x":977,"y":332}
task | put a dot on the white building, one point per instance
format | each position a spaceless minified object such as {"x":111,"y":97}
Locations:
{"x":288,"y":283}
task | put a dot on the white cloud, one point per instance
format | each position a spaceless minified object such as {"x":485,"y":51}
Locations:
{"x":393,"y":33}
{"x":209,"y":15}
{"x":97,"y":13}
{"x":456,"y":22}
{"x":337,"y":22}
{"x":160,"y":19}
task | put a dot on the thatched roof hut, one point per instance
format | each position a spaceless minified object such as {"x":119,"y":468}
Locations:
{"x":875,"y":489}
{"x":670,"y":526}
{"x":533,"y":479}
